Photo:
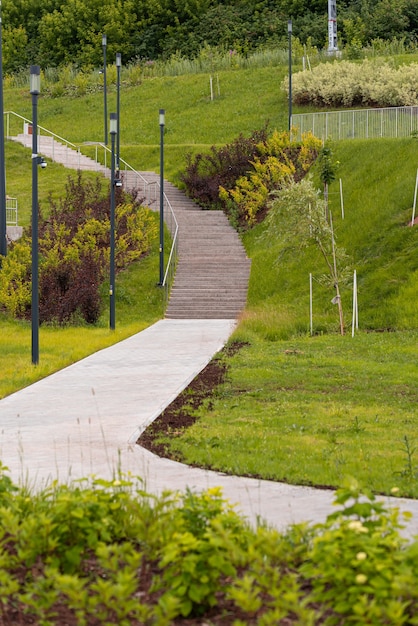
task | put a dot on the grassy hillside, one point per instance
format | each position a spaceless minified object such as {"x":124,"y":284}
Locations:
{"x":378,"y":180}
{"x":243,"y":101}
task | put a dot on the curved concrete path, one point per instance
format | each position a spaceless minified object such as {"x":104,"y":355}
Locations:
{"x":85,"y":420}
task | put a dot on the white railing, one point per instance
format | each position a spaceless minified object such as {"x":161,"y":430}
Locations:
{"x":170,"y":220}
{"x":49,"y":143}
{"x":130,"y":177}
{"x":358,"y":124}
{"x":10,"y":125}
{"x":11,"y":211}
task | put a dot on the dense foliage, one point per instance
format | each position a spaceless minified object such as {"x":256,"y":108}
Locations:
{"x":57,"y":32}
{"x":109,"y":553}
{"x":239,"y":177}
{"x":74,"y":254}
{"x":347,"y":84}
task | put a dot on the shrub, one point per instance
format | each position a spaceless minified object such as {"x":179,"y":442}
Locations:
{"x":106,"y":552}
{"x":74,"y":254}
{"x":243,"y":176}
{"x":221,"y":167}
{"x":15,"y":285}
{"x":347,"y":84}
{"x":374,"y":580}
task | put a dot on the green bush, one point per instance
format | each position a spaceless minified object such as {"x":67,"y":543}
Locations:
{"x":106,"y":552}
{"x":240,"y":176}
{"x":347,"y":84}
{"x":74,"y":239}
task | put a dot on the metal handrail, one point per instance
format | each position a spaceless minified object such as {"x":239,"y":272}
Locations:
{"x":41,"y":128}
{"x":150,"y":192}
{"x":149,"y":188}
{"x":172,"y":259}
{"x":358,"y":123}
{"x":11,"y":211}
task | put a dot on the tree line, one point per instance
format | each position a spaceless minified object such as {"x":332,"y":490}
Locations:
{"x":52,"y":33}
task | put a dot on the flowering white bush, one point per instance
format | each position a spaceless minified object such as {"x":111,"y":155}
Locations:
{"x":342,"y":83}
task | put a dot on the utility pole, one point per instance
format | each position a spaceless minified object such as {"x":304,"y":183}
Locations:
{"x":332,"y":26}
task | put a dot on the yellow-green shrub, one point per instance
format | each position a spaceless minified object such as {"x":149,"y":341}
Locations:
{"x":74,"y":254}
{"x":280,"y":159}
{"x":15,"y":275}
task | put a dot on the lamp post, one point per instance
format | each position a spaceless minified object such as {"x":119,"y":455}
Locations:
{"x":35,"y":88}
{"x":289,"y":33}
{"x":162,"y":122}
{"x":118,"y":67}
{"x":104,"y":44}
{"x":3,"y":220}
{"x":113,"y":133}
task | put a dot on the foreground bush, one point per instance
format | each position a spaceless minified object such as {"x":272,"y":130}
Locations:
{"x":109,"y":553}
{"x":74,"y":240}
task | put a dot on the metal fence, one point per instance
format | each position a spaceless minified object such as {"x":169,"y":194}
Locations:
{"x":11,"y":211}
{"x":358,"y":124}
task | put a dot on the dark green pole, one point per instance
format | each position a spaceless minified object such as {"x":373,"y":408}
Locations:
{"x":289,"y":32}
{"x":162,"y":122}
{"x":3,"y":219}
{"x":118,"y":69}
{"x":112,"y":287}
{"x":35,"y":87}
{"x":104,"y":44}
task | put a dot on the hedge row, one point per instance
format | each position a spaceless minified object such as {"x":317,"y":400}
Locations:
{"x":344,"y":84}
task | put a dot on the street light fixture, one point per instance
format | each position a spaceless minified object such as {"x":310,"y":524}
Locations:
{"x":162,"y":122}
{"x":35,"y":89}
{"x":112,"y":290}
{"x":289,"y":32}
{"x":118,"y":67}
{"x":104,"y":44}
{"x":3,"y":220}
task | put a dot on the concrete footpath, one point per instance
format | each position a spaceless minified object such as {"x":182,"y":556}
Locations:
{"x":85,"y":420}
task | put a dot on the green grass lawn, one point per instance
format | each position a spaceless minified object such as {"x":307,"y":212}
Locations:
{"x":314,"y":411}
{"x":247,"y":100}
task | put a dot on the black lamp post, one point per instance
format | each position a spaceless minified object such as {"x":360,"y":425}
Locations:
{"x":104,"y":44}
{"x":118,"y":67}
{"x":113,"y":133}
{"x":35,"y":88}
{"x":162,"y":121}
{"x":289,"y":32}
{"x":3,"y":220}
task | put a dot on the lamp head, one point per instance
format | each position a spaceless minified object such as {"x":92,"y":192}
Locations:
{"x":289,"y":27}
{"x":118,"y":59}
{"x":104,"y":40}
{"x":162,"y":117}
{"x":35,"y":80}
{"x":113,"y":123}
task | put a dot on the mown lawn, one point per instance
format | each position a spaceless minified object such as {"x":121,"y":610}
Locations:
{"x":314,"y":410}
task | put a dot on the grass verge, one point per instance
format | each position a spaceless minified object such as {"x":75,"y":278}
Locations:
{"x":312,"y":411}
